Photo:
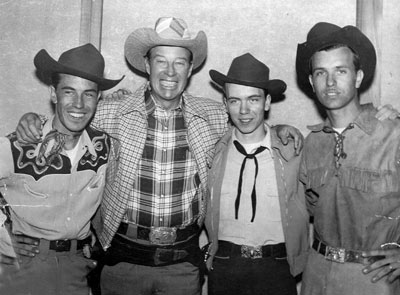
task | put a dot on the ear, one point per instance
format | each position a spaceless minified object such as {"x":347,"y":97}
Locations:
{"x":53,"y":94}
{"x":311,"y":82}
{"x":267,"y":102}
{"x":147,"y":65}
{"x":190,"y":70}
{"x":359,"y":78}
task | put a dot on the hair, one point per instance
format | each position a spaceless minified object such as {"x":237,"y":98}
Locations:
{"x":148,"y":54}
{"x":356,"y":57}
{"x":55,"y":79}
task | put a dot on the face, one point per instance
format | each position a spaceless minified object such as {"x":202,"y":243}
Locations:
{"x":246,"y":106}
{"x":334,"y":78}
{"x":169,"y":69}
{"x":75,"y":102}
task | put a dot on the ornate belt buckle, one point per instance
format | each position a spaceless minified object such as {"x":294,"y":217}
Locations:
{"x":335,"y":254}
{"x":251,"y":252}
{"x":162,"y":235}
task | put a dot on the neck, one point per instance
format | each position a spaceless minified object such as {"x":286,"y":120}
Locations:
{"x":167,"y":105}
{"x":248,"y":138}
{"x":71,"y":141}
{"x":341,"y":118}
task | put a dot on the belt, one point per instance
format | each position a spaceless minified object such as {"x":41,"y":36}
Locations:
{"x":125,"y":250}
{"x":342,"y":255}
{"x":228,"y":249}
{"x":62,"y":245}
{"x":158,"y":235}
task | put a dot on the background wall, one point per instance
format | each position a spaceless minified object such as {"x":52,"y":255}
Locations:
{"x":268,"y":29}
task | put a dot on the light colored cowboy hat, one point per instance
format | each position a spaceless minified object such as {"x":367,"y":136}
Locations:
{"x":249,"y":71}
{"x":323,"y":35}
{"x":84,"y":61}
{"x":168,"y":31}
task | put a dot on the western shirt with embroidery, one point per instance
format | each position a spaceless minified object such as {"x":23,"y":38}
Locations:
{"x":354,"y":196}
{"x":53,"y":201}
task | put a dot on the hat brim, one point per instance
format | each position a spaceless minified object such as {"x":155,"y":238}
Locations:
{"x":274,"y":87}
{"x":142,"y":40}
{"x":46,"y":65}
{"x":349,"y":36}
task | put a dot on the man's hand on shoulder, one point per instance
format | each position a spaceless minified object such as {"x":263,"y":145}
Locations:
{"x":387,"y":112}
{"x":286,"y":132}
{"x":119,"y":94}
{"x":29,"y":129}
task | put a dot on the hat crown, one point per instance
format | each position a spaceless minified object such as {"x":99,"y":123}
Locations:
{"x":322,"y":29}
{"x":247,"y":68}
{"x":172,"y":28}
{"x":85,"y":58}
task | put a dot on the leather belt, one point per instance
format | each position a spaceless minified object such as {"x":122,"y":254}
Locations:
{"x":228,"y":249}
{"x":158,"y":235}
{"x":62,"y":245}
{"x":342,"y":255}
{"x":125,"y":250}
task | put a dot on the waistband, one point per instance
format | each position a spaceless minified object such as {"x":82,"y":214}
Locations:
{"x":341,"y":255}
{"x":230,"y":250}
{"x":61,"y":245}
{"x":125,"y":250}
{"x":158,"y":235}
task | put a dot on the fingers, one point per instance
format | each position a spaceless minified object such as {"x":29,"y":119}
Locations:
{"x":25,"y":246}
{"x":29,"y":129}
{"x":120,"y":93}
{"x":387,"y":112}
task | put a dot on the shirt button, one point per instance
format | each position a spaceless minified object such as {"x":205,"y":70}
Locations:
{"x":398,"y":162}
{"x":68,"y":218}
{"x":70,"y":195}
{"x":165,"y":128}
{"x":162,"y":196}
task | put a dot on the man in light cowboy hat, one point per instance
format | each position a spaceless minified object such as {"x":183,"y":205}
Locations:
{"x":350,"y":169}
{"x":52,"y":190}
{"x":155,"y":198}
{"x":257,"y":219}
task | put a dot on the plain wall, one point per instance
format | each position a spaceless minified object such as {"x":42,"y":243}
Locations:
{"x":270,"y":30}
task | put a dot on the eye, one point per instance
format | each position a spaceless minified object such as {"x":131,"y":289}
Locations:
{"x":254,"y":99}
{"x":318,"y":73}
{"x":89,"y":94}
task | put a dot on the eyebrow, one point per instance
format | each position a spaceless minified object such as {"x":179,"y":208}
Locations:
{"x":251,"y":96}
{"x":71,"y":88}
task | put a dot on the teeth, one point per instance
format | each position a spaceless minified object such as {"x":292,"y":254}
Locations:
{"x":245,"y":120}
{"x":168,"y":83}
{"x":76,"y":115}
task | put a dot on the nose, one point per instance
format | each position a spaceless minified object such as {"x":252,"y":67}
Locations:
{"x":330,"y":79}
{"x":170,"y":69}
{"x":243,"y":108}
{"x":78,"y":101}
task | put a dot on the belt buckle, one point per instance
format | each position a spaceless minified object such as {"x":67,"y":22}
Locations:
{"x":251,"y":252}
{"x":335,"y":254}
{"x":62,"y":245}
{"x":162,"y":235}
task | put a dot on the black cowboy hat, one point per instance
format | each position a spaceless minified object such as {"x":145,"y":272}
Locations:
{"x":84,"y":61}
{"x":249,"y":71}
{"x":323,"y":35}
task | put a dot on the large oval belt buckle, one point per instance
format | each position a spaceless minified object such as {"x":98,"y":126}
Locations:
{"x":162,"y":235}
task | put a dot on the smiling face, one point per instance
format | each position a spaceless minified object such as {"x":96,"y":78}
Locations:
{"x":246,"y":107}
{"x":334,"y":78}
{"x":75,"y":102}
{"x":169,"y":69}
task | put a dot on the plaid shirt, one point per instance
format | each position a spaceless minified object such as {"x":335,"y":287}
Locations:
{"x":126,"y":120}
{"x":165,"y":193}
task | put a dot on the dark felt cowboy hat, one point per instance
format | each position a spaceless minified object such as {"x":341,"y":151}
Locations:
{"x":249,"y":71}
{"x":323,"y":35}
{"x":84,"y":61}
{"x":168,"y":31}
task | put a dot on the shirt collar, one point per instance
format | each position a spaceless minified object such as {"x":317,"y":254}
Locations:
{"x":265,"y":142}
{"x":366,"y":120}
{"x":84,"y":141}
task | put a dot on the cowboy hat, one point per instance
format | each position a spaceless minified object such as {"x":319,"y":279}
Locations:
{"x":249,"y":71}
{"x":168,"y":31}
{"x":84,"y":61}
{"x":323,"y":35}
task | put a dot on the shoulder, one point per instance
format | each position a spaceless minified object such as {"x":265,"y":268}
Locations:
{"x":199,"y":103}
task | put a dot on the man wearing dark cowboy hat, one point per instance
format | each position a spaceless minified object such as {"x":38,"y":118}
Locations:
{"x":350,"y":169}
{"x":52,"y":190}
{"x":155,"y":198}
{"x":257,"y":219}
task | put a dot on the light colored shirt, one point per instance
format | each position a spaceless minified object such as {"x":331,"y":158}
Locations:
{"x":56,"y":201}
{"x":267,"y":225}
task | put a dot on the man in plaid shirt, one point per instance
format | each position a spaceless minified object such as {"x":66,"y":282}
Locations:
{"x":155,"y":197}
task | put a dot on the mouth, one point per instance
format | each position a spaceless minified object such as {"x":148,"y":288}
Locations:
{"x":331,"y":93}
{"x":168,"y":84}
{"x":76,"y":115}
{"x":245,"y":121}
